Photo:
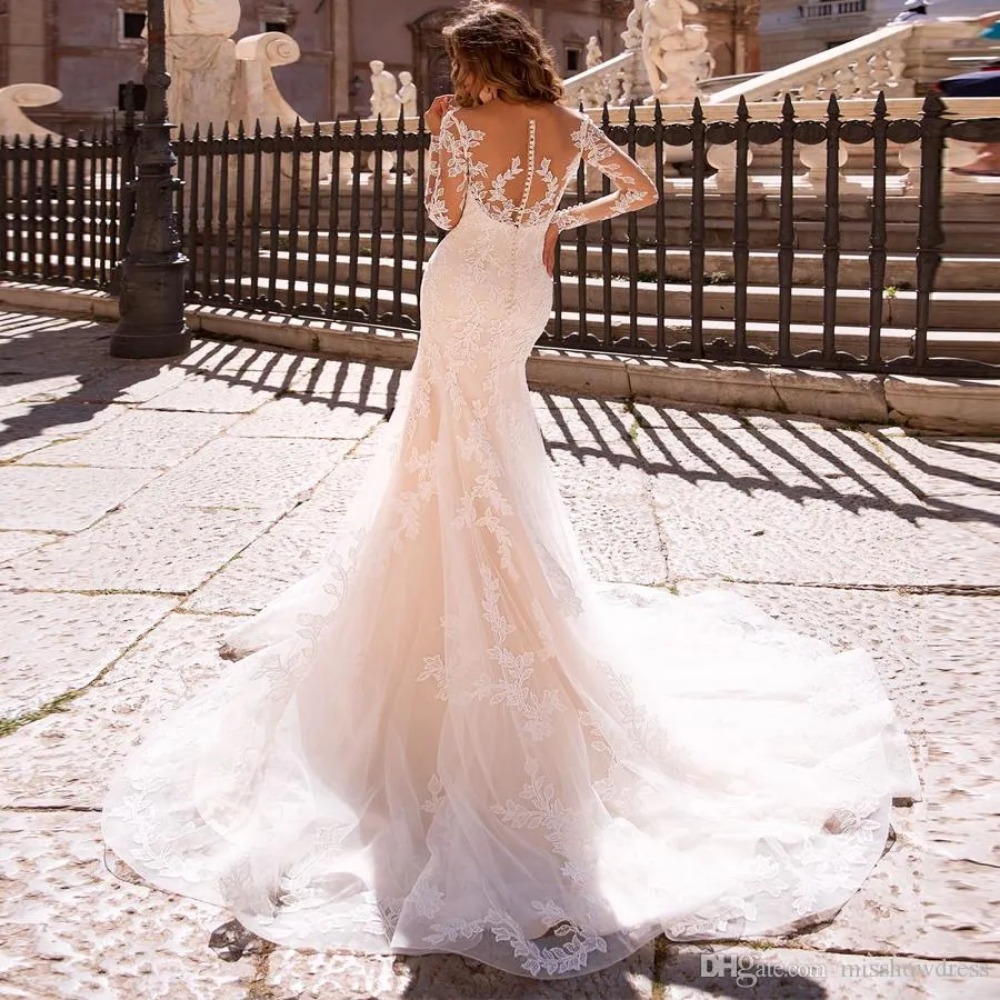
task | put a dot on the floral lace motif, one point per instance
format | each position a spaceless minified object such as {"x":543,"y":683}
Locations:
{"x":471,"y":176}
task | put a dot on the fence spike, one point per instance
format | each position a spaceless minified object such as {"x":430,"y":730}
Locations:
{"x":742,"y":109}
{"x":881,"y":107}
{"x":933,"y":106}
{"x":787,"y":106}
{"x":697,"y":114}
{"x":833,"y":107}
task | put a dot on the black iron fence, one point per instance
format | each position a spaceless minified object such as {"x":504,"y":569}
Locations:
{"x":61,"y":202}
{"x":765,"y":268}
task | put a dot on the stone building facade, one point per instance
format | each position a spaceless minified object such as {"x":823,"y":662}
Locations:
{"x":88,"y":48}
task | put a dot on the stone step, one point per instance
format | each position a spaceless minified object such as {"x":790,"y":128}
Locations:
{"x":958,"y":273}
{"x":962,"y":343}
{"x":971,"y":273}
{"x":950,"y":309}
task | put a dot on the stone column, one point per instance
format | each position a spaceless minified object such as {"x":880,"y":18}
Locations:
{"x":340,"y":68}
{"x":28,"y":52}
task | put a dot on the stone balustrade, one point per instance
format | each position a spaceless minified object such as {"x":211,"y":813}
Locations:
{"x":862,"y":68}
{"x":615,"y":82}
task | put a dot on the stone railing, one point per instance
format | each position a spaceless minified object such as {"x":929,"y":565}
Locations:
{"x":859,"y":69}
{"x":615,"y":81}
{"x":900,"y":60}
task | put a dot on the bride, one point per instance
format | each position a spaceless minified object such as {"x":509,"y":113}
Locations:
{"x":447,"y":737}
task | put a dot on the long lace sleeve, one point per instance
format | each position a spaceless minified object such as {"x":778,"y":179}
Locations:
{"x":448,"y":171}
{"x":632,"y":187}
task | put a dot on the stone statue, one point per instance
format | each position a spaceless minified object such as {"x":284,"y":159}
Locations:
{"x":385,"y":101}
{"x":594,"y":55}
{"x":201,"y":61}
{"x":632,"y":35}
{"x":407,"y":94}
{"x":673,"y":53}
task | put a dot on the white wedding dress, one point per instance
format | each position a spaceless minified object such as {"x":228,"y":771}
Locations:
{"x":448,"y":737}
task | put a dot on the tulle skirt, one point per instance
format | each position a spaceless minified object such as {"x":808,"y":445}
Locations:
{"x":448,"y":737}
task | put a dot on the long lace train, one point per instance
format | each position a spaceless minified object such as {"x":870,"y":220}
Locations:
{"x":448,"y":737}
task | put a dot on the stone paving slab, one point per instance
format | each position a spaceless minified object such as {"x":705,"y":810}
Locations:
{"x":238,"y":472}
{"x":263,"y":364}
{"x":132,"y":383}
{"x":28,"y":427}
{"x":942,"y":466}
{"x":75,"y":931}
{"x":329,"y":378}
{"x":211,"y":394}
{"x":51,"y":498}
{"x":166,"y":548}
{"x":309,"y":417}
{"x":138,"y":439}
{"x":721,"y":530}
{"x":289,"y":550}
{"x":54,"y":643}
{"x":16,"y":543}
{"x":17,"y":388}
{"x":65,"y":760}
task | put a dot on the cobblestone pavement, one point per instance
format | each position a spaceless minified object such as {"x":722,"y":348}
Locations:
{"x":146,"y":503}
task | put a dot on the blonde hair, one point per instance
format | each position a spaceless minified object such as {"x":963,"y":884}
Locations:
{"x":497,"y":46}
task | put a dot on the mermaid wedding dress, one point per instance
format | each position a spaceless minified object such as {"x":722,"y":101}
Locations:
{"x":447,"y":737}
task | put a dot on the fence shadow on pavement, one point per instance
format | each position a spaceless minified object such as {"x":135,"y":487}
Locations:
{"x":871,"y":467}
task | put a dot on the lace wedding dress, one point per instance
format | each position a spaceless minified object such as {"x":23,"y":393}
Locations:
{"x":447,"y":737}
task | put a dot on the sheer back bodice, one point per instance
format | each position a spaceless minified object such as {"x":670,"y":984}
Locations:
{"x":516,"y":162}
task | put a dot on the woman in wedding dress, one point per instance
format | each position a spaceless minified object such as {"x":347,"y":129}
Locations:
{"x":448,"y":737}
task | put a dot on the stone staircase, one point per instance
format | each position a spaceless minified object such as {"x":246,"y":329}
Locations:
{"x":965,"y":308}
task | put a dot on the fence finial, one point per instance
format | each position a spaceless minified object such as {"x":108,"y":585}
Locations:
{"x":933,"y":106}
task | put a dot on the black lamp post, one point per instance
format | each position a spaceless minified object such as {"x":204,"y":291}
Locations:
{"x":152,"y":285}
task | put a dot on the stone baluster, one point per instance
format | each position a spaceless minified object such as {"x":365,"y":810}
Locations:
{"x":723,"y":158}
{"x":813,"y":158}
{"x":846,"y":81}
{"x":881,"y":71}
{"x":863,"y":81}
{"x":909,"y":157}
{"x":895,"y":55}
